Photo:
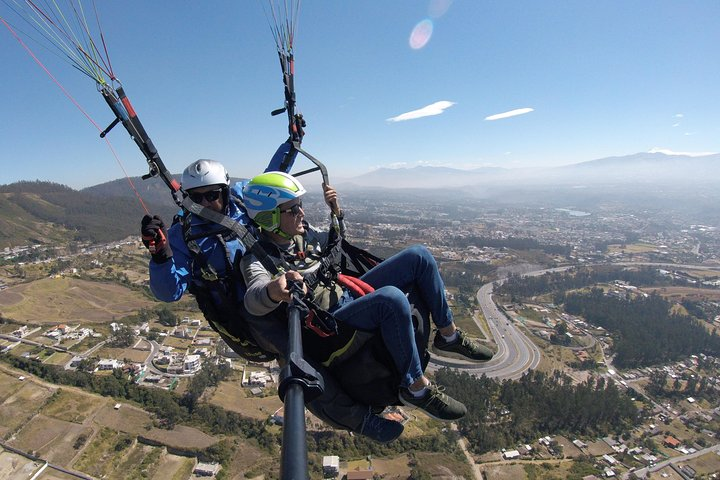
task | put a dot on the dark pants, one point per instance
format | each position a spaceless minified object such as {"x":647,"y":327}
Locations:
{"x":334,"y":406}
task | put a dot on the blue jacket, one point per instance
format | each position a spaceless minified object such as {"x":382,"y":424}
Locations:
{"x":171,"y":279}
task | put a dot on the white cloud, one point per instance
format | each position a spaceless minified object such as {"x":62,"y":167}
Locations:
{"x":679,"y":115}
{"x":433,"y":109}
{"x":667,"y":151}
{"x":676,"y":124}
{"x":511,"y":113}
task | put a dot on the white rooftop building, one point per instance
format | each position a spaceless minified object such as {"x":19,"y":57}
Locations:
{"x":192,"y":364}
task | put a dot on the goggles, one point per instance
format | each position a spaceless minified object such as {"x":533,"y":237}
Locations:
{"x":295,"y":209}
{"x":210,"y":196}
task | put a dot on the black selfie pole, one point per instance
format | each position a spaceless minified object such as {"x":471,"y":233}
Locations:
{"x":299,"y":382}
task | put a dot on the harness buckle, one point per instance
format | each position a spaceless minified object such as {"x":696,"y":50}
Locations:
{"x":209,"y":275}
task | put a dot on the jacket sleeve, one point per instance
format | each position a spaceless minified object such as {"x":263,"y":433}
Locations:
{"x":170,"y":280}
{"x":283,"y":159}
{"x":257,"y":300}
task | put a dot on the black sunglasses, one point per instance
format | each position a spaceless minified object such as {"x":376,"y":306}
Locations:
{"x":210,"y":196}
{"x":295,"y":209}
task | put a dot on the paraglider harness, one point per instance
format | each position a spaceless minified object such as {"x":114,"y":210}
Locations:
{"x":217,"y":295}
{"x":327,"y":272}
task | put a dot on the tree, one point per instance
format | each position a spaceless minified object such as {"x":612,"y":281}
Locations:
{"x":87,"y":365}
{"x":167,"y":317}
{"x":123,"y":337}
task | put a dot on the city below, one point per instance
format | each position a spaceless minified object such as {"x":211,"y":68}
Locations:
{"x":82,"y":308}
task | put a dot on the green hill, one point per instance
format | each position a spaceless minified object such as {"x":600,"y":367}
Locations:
{"x":45,"y":213}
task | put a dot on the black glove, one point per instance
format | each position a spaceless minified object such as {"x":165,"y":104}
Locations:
{"x":154,"y":237}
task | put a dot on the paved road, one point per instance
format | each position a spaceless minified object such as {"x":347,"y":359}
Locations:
{"x":516,"y":353}
{"x":643,"y":472}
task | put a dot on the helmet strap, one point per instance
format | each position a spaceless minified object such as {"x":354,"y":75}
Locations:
{"x":284,"y":235}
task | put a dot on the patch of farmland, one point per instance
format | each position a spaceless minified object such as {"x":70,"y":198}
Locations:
{"x":132,"y":354}
{"x":50,"y":438}
{"x":231,"y":396}
{"x":73,"y":406}
{"x":174,"y":467}
{"x":9,"y":384}
{"x":104,"y":453}
{"x":19,"y":407}
{"x":60,"y":300}
{"x":181,"y":437}
{"x":127,"y":419}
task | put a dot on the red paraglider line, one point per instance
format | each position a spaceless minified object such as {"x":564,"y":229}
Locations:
{"x":79,"y":107}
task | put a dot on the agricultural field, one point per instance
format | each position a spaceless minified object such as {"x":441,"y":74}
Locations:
{"x":503,"y":471}
{"x":705,"y":464}
{"x":85,"y":432}
{"x":104,"y":453}
{"x":20,"y":401}
{"x":50,"y":438}
{"x":73,"y":405}
{"x":135,"y":355}
{"x":231,"y":396}
{"x":679,"y":293}
{"x":251,"y":462}
{"x":70,"y":300}
{"x":632,"y":248}
{"x":173,"y":467}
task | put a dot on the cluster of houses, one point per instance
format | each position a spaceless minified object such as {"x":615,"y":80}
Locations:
{"x":612,"y":466}
{"x":179,"y":363}
{"x":64,"y":332}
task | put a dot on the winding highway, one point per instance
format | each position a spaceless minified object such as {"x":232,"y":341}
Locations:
{"x":516,"y":353}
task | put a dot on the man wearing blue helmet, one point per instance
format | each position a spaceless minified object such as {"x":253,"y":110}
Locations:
{"x":274,"y":202}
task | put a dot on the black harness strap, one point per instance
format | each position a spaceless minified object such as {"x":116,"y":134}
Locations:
{"x":217,"y":295}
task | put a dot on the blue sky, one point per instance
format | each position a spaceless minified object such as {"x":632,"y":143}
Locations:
{"x":481,"y":83}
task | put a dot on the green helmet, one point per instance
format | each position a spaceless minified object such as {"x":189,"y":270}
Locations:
{"x":264,"y":194}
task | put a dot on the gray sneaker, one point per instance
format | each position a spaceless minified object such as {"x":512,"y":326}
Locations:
{"x":435,"y":403}
{"x":464,"y":346}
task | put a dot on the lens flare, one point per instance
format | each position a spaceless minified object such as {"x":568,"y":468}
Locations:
{"x":438,"y":8}
{"x":420,"y":35}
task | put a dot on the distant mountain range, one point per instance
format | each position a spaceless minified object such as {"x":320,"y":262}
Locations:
{"x":640,"y":168}
{"x":45,"y":212}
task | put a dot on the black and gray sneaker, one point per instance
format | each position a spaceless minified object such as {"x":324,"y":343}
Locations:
{"x":435,"y":403}
{"x":380,"y":429}
{"x":463,"y":345}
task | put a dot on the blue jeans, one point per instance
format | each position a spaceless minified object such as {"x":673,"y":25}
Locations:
{"x":388,"y":309}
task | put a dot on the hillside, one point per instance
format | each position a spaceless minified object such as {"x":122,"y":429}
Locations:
{"x":48,"y":213}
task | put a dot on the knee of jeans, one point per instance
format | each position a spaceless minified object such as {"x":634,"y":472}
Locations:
{"x":394,"y":298}
{"x":422,"y":252}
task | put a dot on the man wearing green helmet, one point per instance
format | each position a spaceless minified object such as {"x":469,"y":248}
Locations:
{"x":273,"y":201}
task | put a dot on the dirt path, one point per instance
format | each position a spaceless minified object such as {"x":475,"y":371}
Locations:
{"x":462,"y":443}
